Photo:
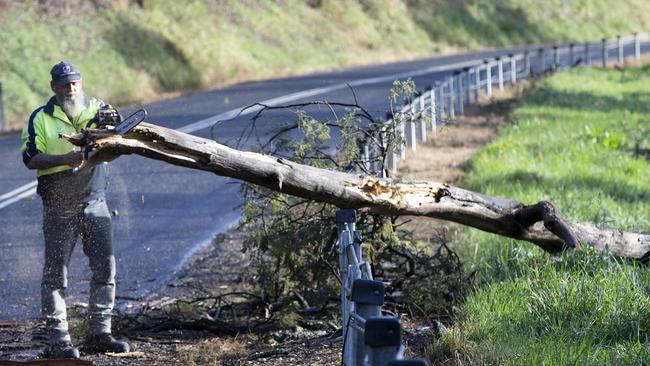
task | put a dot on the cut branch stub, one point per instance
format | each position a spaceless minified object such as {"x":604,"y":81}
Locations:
{"x":539,"y":223}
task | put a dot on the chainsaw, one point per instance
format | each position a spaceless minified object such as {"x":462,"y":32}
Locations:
{"x":109,"y":119}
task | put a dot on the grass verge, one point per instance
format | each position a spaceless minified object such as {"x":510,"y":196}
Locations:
{"x":578,"y":140}
{"x":130,"y":53}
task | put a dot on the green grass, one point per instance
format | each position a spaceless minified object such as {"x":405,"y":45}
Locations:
{"x":571,"y":142}
{"x":476,"y":23}
{"x":128,"y":54}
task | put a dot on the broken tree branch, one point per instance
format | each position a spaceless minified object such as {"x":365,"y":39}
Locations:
{"x":540,"y":223}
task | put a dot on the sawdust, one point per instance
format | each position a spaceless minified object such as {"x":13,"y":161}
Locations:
{"x":442,"y":158}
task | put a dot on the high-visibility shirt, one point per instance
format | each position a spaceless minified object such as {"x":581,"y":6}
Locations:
{"x":60,"y":186}
{"x":41,"y":133}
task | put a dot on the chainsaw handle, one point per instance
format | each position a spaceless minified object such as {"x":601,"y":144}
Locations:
{"x":85,"y":154}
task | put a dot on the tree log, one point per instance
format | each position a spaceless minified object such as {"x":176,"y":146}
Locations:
{"x":539,"y":223}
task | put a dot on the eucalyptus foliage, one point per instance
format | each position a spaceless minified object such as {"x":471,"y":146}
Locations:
{"x":294,"y":241}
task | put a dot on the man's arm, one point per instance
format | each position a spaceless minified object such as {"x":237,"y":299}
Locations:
{"x":45,"y":161}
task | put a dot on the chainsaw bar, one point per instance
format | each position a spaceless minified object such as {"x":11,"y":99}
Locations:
{"x":130,"y":122}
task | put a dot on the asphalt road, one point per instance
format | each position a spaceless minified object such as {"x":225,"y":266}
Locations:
{"x":164,"y":212}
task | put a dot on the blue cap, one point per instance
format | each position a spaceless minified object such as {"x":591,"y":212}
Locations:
{"x":65,"y":72}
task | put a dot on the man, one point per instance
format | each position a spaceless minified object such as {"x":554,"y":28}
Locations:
{"x":74,"y":206}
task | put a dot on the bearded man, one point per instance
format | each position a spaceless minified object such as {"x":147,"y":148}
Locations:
{"x":74,"y":206}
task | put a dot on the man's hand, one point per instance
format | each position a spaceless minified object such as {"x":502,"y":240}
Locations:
{"x":73,"y":158}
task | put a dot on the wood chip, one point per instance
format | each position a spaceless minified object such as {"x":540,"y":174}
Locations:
{"x":126,"y":354}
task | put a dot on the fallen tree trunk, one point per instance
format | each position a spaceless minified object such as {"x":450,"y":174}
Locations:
{"x":539,"y":223}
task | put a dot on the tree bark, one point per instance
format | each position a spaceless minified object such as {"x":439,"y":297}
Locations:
{"x":540,"y":223}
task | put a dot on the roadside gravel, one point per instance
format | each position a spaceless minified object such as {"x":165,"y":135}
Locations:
{"x":222,"y":267}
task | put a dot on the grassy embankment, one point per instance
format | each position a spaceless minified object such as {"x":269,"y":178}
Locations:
{"x":131,"y":54}
{"x":572,"y":142}
{"x":128,"y":54}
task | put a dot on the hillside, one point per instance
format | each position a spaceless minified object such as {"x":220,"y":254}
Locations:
{"x":135,"y":51}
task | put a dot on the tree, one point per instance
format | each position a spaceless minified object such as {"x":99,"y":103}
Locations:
{"x":539,"y":223}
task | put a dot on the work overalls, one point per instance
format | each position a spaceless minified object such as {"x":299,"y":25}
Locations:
{"x":74,"y":206}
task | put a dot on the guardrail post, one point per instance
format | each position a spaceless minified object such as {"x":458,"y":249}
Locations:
{"x":527,"y":69}
{"x":422,"y":119}
{"x":402,"y":128}
{"x":605,"y":53}
{"x":441,"y":102}
{"x":637,"y":46}
{"x":346,"y":221}
{"x":450,"y":88}
{"x":500,"y":72}
{"x":366,"y":157}
{"x":619,"y":42}
{"x":2,"y":112}
{"x":556,"y":58}
{"x":467,"y":86}
{"x":413,"y":140}
{"x":572,"y":59}
{"x":621,"y":56}
{"x":368,"y":296}
{"x":383,"y":337}
{"x":542,"y":61}
{"x":434,"y":109}
{"x":391,"y":154}
{"x":391,"y":163}
{"x":477,"y":81}
{"x":459,"y":92}
{"x":488,"y":78}
{"x":513,"y":69}
{"x":587,"y":54}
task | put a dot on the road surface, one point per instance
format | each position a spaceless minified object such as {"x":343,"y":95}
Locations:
{"x":163,"y":212}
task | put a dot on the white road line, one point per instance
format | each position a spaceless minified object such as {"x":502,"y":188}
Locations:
{"x":17,"y":198}
{"x":18,"y":190}
{"x":205,"y":123}
{"x":16,"y":194}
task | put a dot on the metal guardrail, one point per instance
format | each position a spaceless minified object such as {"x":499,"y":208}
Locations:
{"x":447,"y":98}
{"x":370,"y":339}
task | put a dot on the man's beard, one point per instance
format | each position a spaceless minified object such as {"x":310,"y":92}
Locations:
{"x":74,"y":105}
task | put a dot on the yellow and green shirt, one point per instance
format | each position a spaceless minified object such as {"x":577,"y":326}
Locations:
{"x":41,"y":133}
{"x":60,"y":185}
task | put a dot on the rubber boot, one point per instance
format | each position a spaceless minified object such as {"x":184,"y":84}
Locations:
{"x":61,"y":350}
{"x":105,"y":342}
